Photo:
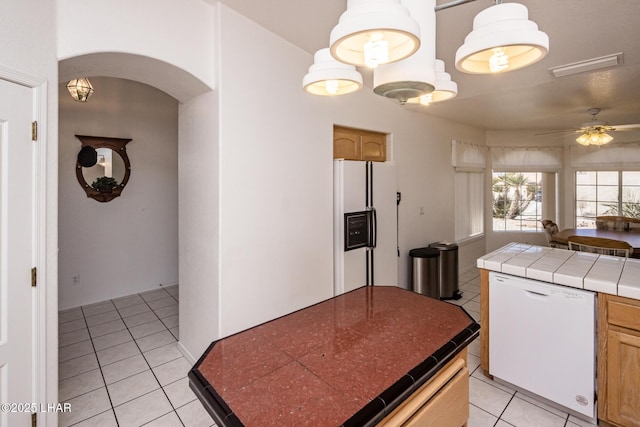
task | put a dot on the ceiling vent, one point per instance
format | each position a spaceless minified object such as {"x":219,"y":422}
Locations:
{"x":593,"y":64}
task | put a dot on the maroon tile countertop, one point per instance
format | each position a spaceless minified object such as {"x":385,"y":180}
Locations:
{"x":345,"y":361}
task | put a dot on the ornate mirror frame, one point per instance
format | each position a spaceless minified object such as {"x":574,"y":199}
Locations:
{"x":117,"y":145}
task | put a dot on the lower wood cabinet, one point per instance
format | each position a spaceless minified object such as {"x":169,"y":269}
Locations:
{"x":619,"y":361}
{"x":442,"y":402}
{"x":618,"y":368}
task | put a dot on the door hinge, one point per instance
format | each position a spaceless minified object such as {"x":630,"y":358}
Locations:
{"x":34,"y":131}
{"x":34,"y":420}
{"x":34,"y":276}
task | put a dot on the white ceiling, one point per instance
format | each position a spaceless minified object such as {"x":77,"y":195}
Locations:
{"x":526,"y":99}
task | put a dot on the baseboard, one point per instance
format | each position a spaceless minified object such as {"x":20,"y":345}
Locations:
{"x":166,"y":285}
{"x":468,"y":269}
{"x":186,"y":353}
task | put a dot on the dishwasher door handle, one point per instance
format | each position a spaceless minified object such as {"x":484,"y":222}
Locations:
{"x":534,"y":294}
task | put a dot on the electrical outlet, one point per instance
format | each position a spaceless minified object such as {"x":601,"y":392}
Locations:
{"x":76,"y":279}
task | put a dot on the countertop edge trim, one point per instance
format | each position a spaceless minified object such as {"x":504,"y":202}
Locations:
{"x":363,"y":418}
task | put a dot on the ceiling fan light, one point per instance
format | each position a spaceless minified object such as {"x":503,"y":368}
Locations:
{"x":605,"y":138}
{"x":80,"y":89}
{"x":594,"y":136}
{"x":329,"y":77}
{"x":583,"y":139}
{"x":505,"y":33}
{"x":372,"y":21}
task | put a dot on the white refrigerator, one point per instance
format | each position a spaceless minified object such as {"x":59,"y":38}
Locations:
{"x":365,"y":224}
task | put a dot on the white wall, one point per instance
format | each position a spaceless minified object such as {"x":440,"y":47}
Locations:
{"x":275,"y":179}
{"x":27,"y":42}
{"x":130,"y":244}
{"x":199,"y":223}
{"x":159,"y":32}
{"x":276,"y":175}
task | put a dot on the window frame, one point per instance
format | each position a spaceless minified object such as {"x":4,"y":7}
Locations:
{"x":582,"y":221}
{"x":539,"y":184}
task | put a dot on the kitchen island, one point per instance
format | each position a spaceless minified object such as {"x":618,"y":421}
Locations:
{"x":374,"y":355}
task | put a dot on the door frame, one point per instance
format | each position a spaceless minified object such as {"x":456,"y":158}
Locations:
{"x":41,"y":354}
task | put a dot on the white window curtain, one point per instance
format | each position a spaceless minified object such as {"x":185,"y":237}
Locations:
{"x":608,"y":157}
{"x":467,"y":157}
{"x":526,"y":159}
{"x":470,"y":162}
{"x":469,"y":205}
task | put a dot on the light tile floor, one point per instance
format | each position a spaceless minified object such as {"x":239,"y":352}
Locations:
{"x":119,"y":366}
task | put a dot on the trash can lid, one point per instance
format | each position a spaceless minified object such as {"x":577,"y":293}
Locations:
{"x":444,"y":246}
{"x":424,"y":253}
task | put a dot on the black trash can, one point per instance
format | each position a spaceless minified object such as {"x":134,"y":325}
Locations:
{"x":448,"y":271}
{"x":425,"y":271}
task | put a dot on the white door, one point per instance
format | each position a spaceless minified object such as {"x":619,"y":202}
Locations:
{"x":16,"y":251}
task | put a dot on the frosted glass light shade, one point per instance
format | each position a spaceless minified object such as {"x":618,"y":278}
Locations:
{"x":445,"y":88}
{"x":80,"y":89}
{"x":594,"y":137}
{"x":368,"y":22}
{"x":330,"y":77}
{"x":503,"y":39}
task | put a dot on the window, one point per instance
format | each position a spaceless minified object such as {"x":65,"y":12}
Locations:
{"x":469,"y":205}
{"x":606,"y":193}
{"x":517,"y":201}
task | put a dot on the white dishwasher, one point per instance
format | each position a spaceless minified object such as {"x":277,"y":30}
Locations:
{"x":542,"y":338}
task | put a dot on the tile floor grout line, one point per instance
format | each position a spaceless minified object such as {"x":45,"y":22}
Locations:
{"x":102,"y":373}
{"x":151,"y":370}
{"x":95,"y":353}
{"x":135,"y":341}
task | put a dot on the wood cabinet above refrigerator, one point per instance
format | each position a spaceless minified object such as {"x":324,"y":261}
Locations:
{"x":357,"y":144}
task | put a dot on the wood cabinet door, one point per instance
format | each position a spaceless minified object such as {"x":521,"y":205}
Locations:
{"x":441,"y":402}
{"x":354,"y":144}
{"x":374,"y":147}
{"x":346,"y":145}
{"x":623,"y":379}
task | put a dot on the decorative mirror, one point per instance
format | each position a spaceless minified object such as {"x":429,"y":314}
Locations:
{"x":103,"y":166}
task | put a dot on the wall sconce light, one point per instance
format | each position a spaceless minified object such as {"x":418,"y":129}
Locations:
{"x":80,"y":89}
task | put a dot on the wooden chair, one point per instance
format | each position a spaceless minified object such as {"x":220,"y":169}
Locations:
{"x":612,"y":222}
{"x":600,"y":245}
{"x":551,"y":228}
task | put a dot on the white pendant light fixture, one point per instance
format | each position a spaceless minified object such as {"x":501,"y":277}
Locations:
{"x":374,"y":32}
{"x":330,"y":77}
{"x":415,"y":75}
{"x":503,"y":39}
{"x":445,"y":88}
{"x":80,"y":89}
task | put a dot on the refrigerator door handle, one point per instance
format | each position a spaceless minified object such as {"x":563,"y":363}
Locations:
{"x":373,"y":233}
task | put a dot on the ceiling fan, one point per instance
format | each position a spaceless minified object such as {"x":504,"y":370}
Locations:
{"x":595,"y":131}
